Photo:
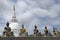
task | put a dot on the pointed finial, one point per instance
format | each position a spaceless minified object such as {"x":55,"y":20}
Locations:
{"x":14,"y":10}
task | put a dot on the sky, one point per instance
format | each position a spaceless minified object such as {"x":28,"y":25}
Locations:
{"x":31,"y":12}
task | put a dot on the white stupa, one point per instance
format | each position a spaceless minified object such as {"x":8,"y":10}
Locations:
{"x":14,"y":25}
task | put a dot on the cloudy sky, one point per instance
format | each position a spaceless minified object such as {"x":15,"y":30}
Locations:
{"x":31,"y":12}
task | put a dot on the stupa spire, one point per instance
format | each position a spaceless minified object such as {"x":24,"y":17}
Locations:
{"x":14,"y":16}
{"x":14,"y":10}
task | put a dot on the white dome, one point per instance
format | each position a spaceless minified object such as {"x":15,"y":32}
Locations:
{"x":14,"y":25}
{"x":15,"y":28}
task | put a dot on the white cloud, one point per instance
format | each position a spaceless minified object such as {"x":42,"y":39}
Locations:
{"x":45,"y":3}
{"x":55,"y":9}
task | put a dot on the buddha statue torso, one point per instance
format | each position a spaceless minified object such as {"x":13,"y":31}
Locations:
{"x":46,"y":31}
{"x":23,"y":30}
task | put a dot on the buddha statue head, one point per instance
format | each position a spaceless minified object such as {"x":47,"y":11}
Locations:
{"x":22,"y":26}
{"x":7,"y":24}
{"x":35,"y":27}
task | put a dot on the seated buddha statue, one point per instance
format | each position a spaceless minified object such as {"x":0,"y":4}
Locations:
{"x":23,"y":30}
{"x":36,"y":32}
{"x":55,"y":32}
{"x":46,"y":32}
{"x":7,"y":31}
